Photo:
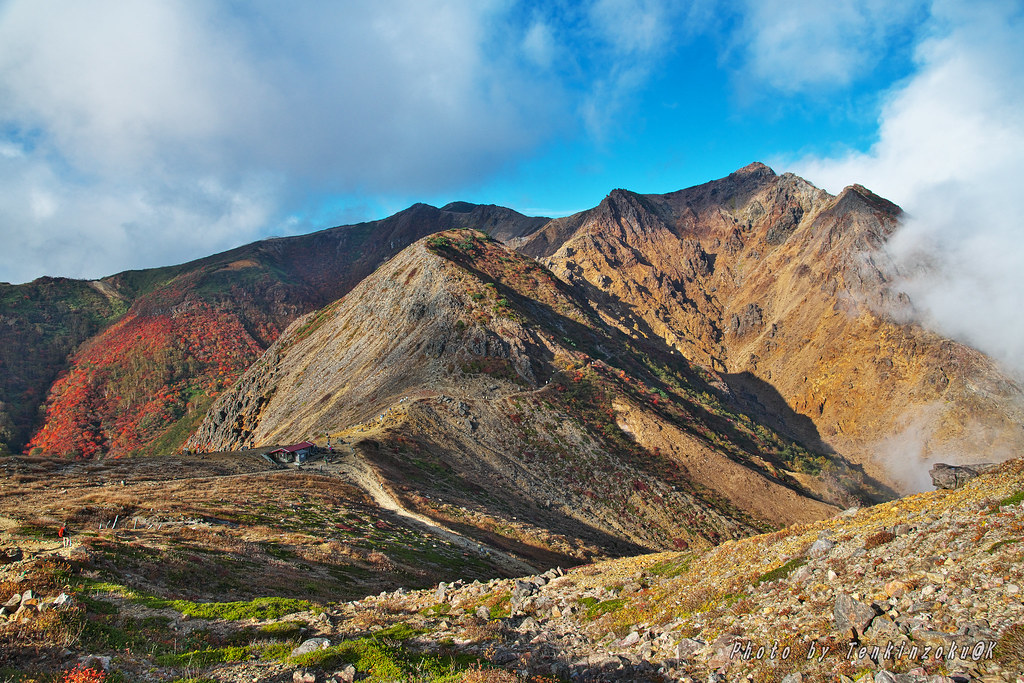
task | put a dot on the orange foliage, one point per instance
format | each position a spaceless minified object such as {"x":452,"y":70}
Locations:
{"x":81,"y":674}
{"x":141,"y":375}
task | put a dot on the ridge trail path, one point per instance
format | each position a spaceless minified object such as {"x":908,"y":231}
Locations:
{"x":362,"y":474}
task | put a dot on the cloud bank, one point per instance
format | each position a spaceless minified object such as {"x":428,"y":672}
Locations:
{"x":194,"y":124}
{"x":950,"y":151}
{"x":138,"y":134}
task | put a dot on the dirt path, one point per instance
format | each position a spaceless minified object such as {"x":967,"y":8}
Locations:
{"x":362,"y":474}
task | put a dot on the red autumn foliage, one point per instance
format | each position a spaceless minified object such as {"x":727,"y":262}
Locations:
{"x":141,"y":375}
{"x":81,"y":674}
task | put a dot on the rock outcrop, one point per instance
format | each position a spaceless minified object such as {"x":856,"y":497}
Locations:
{"x":954,"y":476}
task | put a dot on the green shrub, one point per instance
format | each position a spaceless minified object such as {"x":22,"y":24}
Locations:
{"x":671,"y":568}
{"x":999,"y":544}
{"x":1015,"y":499}
{"x":201,"y":658}
{"x":596,"y":608}
{"x":781,"y":572}
{"x":283,"y":629}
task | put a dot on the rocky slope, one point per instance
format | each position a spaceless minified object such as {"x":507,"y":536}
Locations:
{"x":169,"y":339}
{"x":787,"y":291}
{"x":869,"y":595}
{"x":862,"y":596}
{"x":471,"y":378}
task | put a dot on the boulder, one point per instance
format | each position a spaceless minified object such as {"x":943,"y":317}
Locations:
{"x":63,"y":600}
{"x":850,"y":614}
{"x":524,"y":589}
{"x":632,"y":639}
{"x":311,"y":645}
{"x":820,"y":548}
{"x":8,"y":555}
{"x":687,"y":647}
{"x":303,"y":676}
{"x":954,"y":476}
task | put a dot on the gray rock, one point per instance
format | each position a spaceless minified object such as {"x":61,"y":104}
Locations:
{"x":820,"y":548}
{"x":882,"y":629}
{"x":795,"y":677}
{"x":850,"y":614}
{"x":687,"y":647}
{"x":482,"y":613}
{"x":884,"y":677}
{"x":311,"y":645}
{"x":954,"y":476}
{"x":528,"y":624}
{"x":632,"y":639}
{"x":524,"y":589}
{"x":346,"y":675}
{"x":95,"y":662}
{"x":303,"y":676}
{"x":933,"y":638}
{"x":801,"y":574}
{"x":439,"y":593}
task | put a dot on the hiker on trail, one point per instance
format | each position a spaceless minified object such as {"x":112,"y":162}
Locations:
{"x":62,"y":534}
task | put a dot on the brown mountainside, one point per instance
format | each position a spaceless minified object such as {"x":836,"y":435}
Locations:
{"x":786,"y":290}
{"x":470,"y":377}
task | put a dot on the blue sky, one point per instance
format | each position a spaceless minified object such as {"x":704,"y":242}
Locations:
{"x":137,"y":134}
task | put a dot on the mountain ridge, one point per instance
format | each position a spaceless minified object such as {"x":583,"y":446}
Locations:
{"x":778,"y":286}
{"x":253,"y":291}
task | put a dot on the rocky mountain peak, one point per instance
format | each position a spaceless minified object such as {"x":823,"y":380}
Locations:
{"x":756,"y":169}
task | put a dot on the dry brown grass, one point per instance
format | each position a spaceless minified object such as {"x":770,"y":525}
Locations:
{"x":878,"y":539}
{"x":1010,"y":648}
{"x":480,"y":675}
{"x":490,"y":676}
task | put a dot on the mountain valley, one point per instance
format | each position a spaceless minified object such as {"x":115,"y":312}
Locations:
{"x":653,"y":410}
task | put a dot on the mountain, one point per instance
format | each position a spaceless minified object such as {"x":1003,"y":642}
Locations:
{"x":469,"y":377}
{"x":724,"y":374}
{"x":129,"y":363}
{"x":783,"y":291}
{"x":787,"y":291}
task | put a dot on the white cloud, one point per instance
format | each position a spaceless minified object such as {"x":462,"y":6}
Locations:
{"x":632,"y":27}
{"x":210,"y":121}
{"x":55,"y":226}
{"x":539,"y":44}
{"x":794,"y":46}
{"x":951,"y":151}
